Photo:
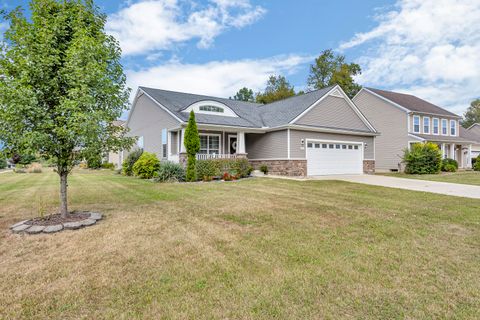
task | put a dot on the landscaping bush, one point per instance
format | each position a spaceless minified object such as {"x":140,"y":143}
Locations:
{"x":34,"y":168}
{"x":449,"y":165}
{"x":170,"y":172}
{"x":108,"y":165}
{"x":208,"y":169}
{"x":94,"y":161}
{"x":128,"y":163}
{"x":3,"y":163}
{"x":476,"y":166}
{"x":264,"y":169}
{"x":423,"y":158}
{"x":474,"y":160}
{"x":147,"y":166}
{"x":26,"y":159}
{"x":19,"y":168}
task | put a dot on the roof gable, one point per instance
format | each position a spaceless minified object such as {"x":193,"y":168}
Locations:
{"x":412,"y":103}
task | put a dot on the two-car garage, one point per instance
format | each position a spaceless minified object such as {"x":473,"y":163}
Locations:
{"x":334,"y":157}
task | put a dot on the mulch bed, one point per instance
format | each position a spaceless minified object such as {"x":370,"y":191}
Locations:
{"x":57,"y":219}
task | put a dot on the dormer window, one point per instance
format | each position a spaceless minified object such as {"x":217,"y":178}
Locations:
{"x":416,"y":124}
{"x":211,"y":109}
{"x":453,"y":127}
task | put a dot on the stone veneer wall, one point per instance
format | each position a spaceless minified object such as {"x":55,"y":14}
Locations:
{"x":369,"y":166}
{"x":293,"y":168}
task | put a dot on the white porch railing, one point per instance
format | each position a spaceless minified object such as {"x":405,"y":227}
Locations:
{"x":203,"y":156}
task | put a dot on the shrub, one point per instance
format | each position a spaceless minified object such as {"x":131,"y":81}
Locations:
{"x":19,"y":168}
{"x":128,"y":163}
{"x":3,"y":163}
{"x":192,"y":144}
{"x":207,"y":169}
{"x":108,"y":165}
{"x":170,"y":172}
{"x":264,"y":169}
{"x":147,"y":166}
{"x":449,"y":165}
{"x":94,"y":161}
{"x":474,"y":160}
{"x":476,"y":167}
{"x":423,"y":158}
{"x":241,"y":167}
{"x":26,"y":159}
{"x":35,"y":168}
{"x":227,"y":176}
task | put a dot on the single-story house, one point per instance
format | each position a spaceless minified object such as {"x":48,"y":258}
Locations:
{"x":317,"y":133}
{"x":404,"y":119}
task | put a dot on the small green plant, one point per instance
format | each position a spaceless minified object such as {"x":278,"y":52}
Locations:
{"x":476,"y":165}
{"x":41,"y":207}
{"x":264,"y":169}
{"x":128,"y":163}
{"x":170,"y":172}
{"x":423,"y":158}
{"x":147,"y":166}
{"x":3,"y":163}
{"x":108,"y":165}
{"x":449,"y":165}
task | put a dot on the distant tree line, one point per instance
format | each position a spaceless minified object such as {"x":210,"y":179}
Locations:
{"x":328,"y":69}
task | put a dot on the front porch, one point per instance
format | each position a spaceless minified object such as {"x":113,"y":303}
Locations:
{"x":213,"y":145}
{"x":462,"y":153}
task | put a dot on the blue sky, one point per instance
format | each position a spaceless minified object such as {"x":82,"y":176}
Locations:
{"x":430,"y":48}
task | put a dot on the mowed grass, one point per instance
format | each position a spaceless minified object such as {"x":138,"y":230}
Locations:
{"x":253,"y":249}
{"x":462,"y":177}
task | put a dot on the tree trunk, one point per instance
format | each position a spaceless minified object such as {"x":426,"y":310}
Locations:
{"x":63,"y":194}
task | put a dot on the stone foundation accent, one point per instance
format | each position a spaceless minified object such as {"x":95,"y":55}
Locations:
{"x":369,"y":166}
{"x":292,"y":168}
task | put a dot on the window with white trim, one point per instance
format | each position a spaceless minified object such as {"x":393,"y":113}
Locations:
{"x":164,"y":143}
{"x":436,"y":126}
{"x":210,"y":108}
{"x":426,"y":125}
{"x":140,"y":142}
{"x":444,"y":127}
{"x":209,"y":144}
{"x":453,"y":127}
{"x":416,"y":124}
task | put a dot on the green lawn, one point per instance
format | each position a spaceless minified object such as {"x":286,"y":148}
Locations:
{"x":253,"y":249}
{"x":463,"y":177}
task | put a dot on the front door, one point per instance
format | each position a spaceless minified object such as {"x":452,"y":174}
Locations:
{"x":232,"y":144}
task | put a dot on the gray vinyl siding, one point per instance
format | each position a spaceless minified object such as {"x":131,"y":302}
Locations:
{"x":333,"y":112}
{"x":392,"y":123}
{"x":410,"y":118}
{"x":270,"y":145}
{"x":297,"y":150}
{"x":148,"y":120}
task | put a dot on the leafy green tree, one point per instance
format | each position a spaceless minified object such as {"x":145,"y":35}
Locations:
{"x":62,"y":85}
{"x":192,"y":144}
{"x":472,"y":115}
{"x":244,"y":94}
{"x":278,"y":88}
{"x":330,"y":69}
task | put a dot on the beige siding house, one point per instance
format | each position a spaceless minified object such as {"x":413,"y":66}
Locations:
{"x":404,"y":119}
{"x":317,"y":133}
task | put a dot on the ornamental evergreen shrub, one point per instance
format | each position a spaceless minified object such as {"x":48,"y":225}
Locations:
{"x":476,"y":166}
{"x":423,"y":158}
{"x":147,"y":166}
{"x":192,"y":145}
{"x":264,"y":169}
{"x":449,"y":165}
{"x":128,"y":163}
{"x":170,"y":172}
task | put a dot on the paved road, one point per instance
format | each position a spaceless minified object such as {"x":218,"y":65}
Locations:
{"x":451,"y":189}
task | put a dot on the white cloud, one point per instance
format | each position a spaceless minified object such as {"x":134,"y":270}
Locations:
{"x":430,"y":48}
{"x":152,"y":25}
{"x":216,"y":78}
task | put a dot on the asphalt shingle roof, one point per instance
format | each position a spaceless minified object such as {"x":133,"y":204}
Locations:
{"x":439,"y":138}
{"x":412,"y":103}
{"x":252,"y":115}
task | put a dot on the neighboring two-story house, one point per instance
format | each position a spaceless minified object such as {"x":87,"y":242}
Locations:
{"x":404,"y":119}
{"x":473,"y":133}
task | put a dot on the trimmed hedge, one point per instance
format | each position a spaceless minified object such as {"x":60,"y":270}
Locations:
{"x":216,"y":168}
{"x":147,"y":166}
{"x":423,"y":158}
{"x":128,"y":163}
{"x":449,"y":165}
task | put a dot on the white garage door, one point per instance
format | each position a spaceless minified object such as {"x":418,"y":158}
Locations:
{"x":326,"y":157}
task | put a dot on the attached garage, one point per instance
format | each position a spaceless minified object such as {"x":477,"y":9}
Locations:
{"x":334,"y":157}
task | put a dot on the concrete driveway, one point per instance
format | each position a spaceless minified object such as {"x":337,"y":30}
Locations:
{"x":451,"y":189}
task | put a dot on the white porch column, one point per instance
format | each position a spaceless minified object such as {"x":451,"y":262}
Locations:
{"x":469,"y":156}
{"x":442,"y":147}
{"x":182,"y":142}
{"x":452,"y":151}
{"x":241,"y":142}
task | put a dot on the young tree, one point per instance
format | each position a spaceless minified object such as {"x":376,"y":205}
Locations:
{"x":62,"y":85}
{"x":192,"y":144}
{"x":472,"y":115}
{"x":330,"y":69}
{"x":278,"y":88}
{"x":244,"y":94}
